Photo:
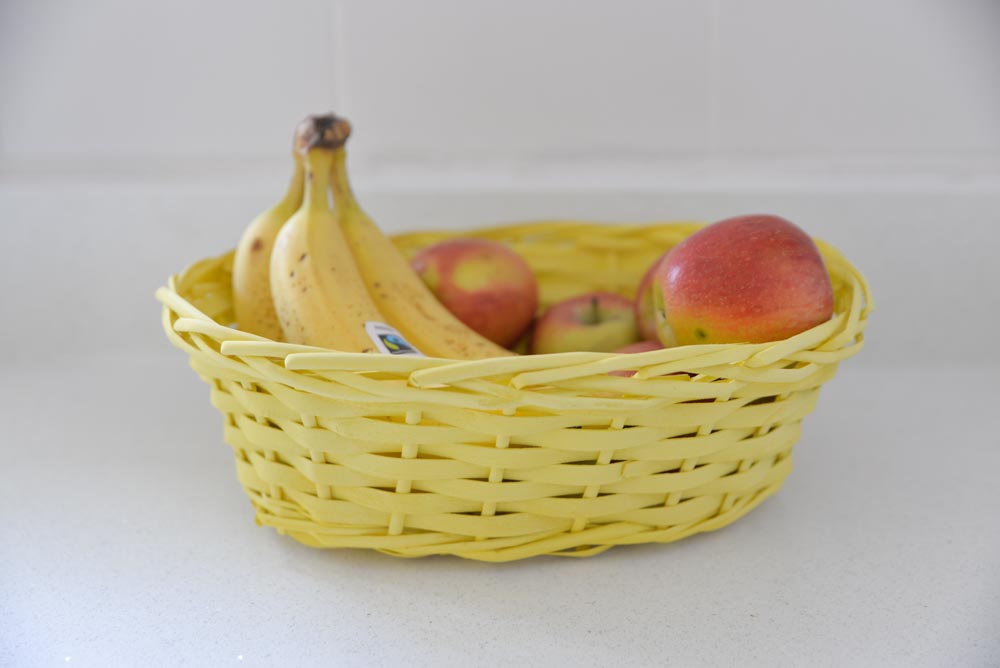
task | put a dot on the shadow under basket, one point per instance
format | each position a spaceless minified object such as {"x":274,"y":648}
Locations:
{"x":508,"y":458}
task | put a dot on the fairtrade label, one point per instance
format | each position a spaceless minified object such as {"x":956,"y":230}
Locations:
{"x":388,"y":339}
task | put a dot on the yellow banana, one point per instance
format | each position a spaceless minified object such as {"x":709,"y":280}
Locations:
{"x":319,"y":294}
{"x":397,"y":291}
{"x":252,"y":301}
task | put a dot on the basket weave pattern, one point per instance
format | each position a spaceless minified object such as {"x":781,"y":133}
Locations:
{"x":509,"y":458}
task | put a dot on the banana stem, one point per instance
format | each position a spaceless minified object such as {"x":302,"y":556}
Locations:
{"x":343,"y":196}
{"x":296,"y":187}
{"x":318,"y":178}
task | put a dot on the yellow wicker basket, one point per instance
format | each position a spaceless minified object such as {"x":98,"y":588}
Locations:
{"x":509,"y":458}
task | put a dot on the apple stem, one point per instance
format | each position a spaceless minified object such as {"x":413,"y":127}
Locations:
{"x":594,"y":312}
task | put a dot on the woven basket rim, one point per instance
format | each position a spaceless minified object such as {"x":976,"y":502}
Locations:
{"x":423,"y":368}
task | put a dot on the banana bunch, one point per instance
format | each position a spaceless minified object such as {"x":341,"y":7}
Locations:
{"x":252,"y":303}
{"x":309,"y":274}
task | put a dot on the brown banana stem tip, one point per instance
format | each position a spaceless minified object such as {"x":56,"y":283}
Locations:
{"x":321,"y":131}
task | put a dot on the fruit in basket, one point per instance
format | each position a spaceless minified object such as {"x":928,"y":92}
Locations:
{"x":252,"y":302}
{"x":596,"y":321}
{"x":394,"y":287}
{"x":484,"y":284}
{"x":523,"y":345}
{"x":645,"y":309}
{"x":319,"y":295}
{"x":750,"y":279}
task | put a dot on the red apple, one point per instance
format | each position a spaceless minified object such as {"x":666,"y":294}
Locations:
{"x":750,"y":279}
{"x":484,"y":284}
{"x":639,"y":347}
{"x":597,"y":321}
{"x":645,"y":309}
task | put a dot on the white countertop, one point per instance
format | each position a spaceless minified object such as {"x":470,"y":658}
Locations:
{"x":125,"y":539}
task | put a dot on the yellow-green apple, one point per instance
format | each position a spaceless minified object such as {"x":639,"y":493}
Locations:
{"x":484,"y":284}
{"x":750,"y":279}
{"x":639,"y":347}
{"x":597,"y":321}
{"x":645,"y":309}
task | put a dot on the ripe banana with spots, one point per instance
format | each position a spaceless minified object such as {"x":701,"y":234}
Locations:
{"x":252,"y":302}
{"x":398,"y":292}
{"x":319,"y":295}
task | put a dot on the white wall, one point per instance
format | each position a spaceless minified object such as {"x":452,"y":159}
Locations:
{"x":136,"y":137}
{"x":523,"y":93}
